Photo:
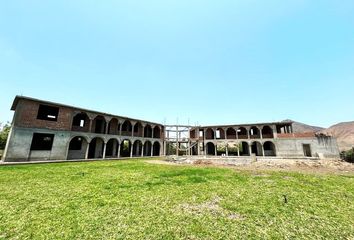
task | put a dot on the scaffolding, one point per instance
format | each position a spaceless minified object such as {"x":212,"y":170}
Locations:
{"x":178,"y":141}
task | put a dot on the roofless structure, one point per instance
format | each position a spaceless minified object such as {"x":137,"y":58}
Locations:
{"x":43,"y":130}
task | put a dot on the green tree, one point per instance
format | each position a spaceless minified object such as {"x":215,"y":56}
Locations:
{"x":4,"y":133}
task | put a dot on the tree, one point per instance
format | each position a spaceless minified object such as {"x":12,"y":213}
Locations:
{"x":4,"y":133}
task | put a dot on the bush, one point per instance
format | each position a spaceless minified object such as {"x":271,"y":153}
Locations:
{"x":348,"y":155}
{"x":4,"y":133}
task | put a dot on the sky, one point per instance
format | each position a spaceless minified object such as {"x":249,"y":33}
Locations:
{"x":183,"y":61}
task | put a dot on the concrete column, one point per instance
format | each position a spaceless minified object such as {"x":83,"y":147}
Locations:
{"x":87,"y":150}
{"x":216,"y":148}
{"x":114,"y":149}
{"x":225,"y":133}
{"x":238,"y":150}
{"x":142,"y":150}
{"x":291,"y":129}
{"x":260,"y":132}
{"x":118,"y":155}
{"x":250,"y":149}
{"x":275,"y":133}
{"x":131,"y":150}
{"x":164,"y":148}
{"x":152,"y":149}
{"x":152,"y":132}
{"x":120,"y":128}
{"x":236,"y":133}
{"x":214,"y":130}
{"x":104,"y":150}
{"x":248,"y":133}
{"x":198,"y":148}
{"x":227,"y":150}
{"x":262,"y":150}
{"x":90,"y":125}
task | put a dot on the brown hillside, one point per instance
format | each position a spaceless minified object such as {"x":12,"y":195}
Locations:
{"x":344,"y":132}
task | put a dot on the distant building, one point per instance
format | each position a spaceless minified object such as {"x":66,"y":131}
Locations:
{"x":43,"y":130}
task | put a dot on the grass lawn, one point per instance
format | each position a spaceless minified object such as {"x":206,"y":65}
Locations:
{"x":138,"y":200}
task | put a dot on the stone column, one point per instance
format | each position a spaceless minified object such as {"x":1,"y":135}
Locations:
{"x":216,"y":149}
{"x":250,"y":149}
{"x":152,"y":149}
{"x":227,"y":150}
{"x":262,"y":150}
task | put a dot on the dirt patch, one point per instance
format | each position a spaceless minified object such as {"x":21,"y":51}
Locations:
{"x":331,"y":166}
{"x":210,"y":207}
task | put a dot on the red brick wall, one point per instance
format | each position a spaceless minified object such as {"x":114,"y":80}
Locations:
{"x":26,"y":116}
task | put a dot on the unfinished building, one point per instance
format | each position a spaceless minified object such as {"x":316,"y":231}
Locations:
{"x":43,"y":130}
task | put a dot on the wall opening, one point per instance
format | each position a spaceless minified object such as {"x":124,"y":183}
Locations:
{"x":42,"y":142}
{"x":307,"y":150}
{"x":48,"y":113}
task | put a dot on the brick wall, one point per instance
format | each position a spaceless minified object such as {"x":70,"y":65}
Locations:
{"x":297,"y":135}
{"x":26,"y":116}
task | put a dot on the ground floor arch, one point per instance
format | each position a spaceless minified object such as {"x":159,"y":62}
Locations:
{"x":210,"y":148}
{"x":156,"y":149}
{"x":269,"y":149}
{"x":244,"y":149}
{"x":77,"y":148}
{"x":96,"y":148}
{"x":137,"y":148}
{"x":147,"y":148}
{"x":256,"y":148}
{"x":112,"y":148}
{"x":125,"y":148}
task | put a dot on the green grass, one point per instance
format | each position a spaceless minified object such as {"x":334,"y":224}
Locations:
{"x":138,"y":200}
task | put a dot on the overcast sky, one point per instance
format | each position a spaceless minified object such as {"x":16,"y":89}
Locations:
{"x":206,"y":62}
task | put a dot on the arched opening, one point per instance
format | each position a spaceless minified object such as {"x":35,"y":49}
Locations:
{"x":267,"y":132}
{"x":147,"y":148}
{"x":156,"y":149}
{"x":99,"y":125}
{"x":96,"y":148}
{"x":269,"y":149}
{"x":221,"y":149}
{"x":137,"y":148}
{"x":112,"y":148}
{"x":244,"y":149}
{"x":148,"y":131}
{"x":242,"y":133}
{"x":77,"y":148}
{"x":210,"y":148}
{"x":157,"y":132}
{"x":231,"y":133}
{"x":125,"y":148}
{"x":233,"y":148}
{"x":127,"y":128}
{"x":113,"y":126}
{"x":255,"y":133}
{"x":209,"y":134}
{"x":256,"y":148}
{"x":138,"y":129}
{"x":81,"y":123}
{"x":220,"y":133}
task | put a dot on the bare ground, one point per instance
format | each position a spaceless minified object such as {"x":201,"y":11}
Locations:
{"x":331,"y":166}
